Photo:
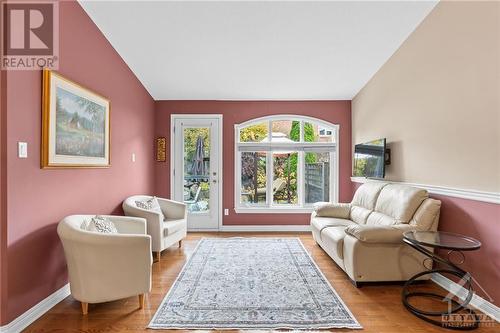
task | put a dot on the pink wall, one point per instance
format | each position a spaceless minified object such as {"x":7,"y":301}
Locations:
{"x":337,"y":112}
{"x":38,"y":199}
{"x":479,"y":220}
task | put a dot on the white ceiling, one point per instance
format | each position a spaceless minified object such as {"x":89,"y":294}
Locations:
{"x":256,"y":50}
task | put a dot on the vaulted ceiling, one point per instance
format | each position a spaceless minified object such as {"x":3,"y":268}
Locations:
{"x":256,"y":50}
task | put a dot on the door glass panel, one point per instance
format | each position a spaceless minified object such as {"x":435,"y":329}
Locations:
{"x":197,"y":169}
{"x":317,"y":177}
{"x":253,"y":178}
{"x":284,"y":185}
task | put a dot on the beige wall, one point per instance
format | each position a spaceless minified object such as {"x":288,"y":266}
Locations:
{"x":437,"y":100}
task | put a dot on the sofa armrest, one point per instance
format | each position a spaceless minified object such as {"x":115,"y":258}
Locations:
{"x":173,"y":209}
{"x":128,"y":224}
{"x":379,"y":233}
{"x":154,"y":222}
{"x":329,"y":209}
{"x":134,"y":211}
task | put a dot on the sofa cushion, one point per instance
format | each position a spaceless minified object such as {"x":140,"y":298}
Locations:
{"x":333,"y":239}
{"x":366,"y":195}
{"x":329,"y":209}
{"x":426,"y":214}
{"x":359,"y":214}
{"x":376,"y":218}
{"x":171,"y":226}
{"x":400,"y":201}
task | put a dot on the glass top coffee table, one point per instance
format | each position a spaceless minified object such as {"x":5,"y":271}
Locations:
{"x":425,"y":242}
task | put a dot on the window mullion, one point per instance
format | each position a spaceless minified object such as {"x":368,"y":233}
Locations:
{"x":301,"y":131}
{"x":269,"y":166}
{"x":300,"y":179}
{"x":238,"y":178}
{"x":332,"y":177}
{"x":269,"y":178}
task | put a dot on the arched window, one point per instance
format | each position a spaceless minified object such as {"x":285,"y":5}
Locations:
{"x":285,"y":163}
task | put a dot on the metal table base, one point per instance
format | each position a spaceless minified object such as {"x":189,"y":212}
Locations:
{"x":457,"y":307}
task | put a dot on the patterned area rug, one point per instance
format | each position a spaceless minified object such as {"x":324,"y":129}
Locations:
{"x":251,"y":283}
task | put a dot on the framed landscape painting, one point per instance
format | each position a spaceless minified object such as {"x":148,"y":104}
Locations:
{"x":75,"y":125}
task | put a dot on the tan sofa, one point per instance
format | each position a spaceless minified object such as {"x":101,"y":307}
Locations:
{"x":364,"y":237}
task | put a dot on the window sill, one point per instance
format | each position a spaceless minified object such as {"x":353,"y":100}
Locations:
{"x":274,"y":210}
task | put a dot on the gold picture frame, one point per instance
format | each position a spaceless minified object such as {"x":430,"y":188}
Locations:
{"x":76,"y":125}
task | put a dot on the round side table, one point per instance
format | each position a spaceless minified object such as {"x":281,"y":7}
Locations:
{"x":420,"y":241}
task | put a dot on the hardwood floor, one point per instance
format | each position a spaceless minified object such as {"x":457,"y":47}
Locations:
{"x":378,"y":308}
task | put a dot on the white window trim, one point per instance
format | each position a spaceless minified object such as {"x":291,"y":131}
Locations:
{"x":301,"y":208}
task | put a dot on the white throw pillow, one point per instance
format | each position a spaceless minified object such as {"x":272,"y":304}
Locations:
{"x":152,"y":205}
{"x":101,"y":224}
{"x":84,"y":225}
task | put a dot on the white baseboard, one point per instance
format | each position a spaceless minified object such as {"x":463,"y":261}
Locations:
{"x":484,"y":196}
{"x":203,"y":230}
{"x":24,"y":320}
{"x":477,"y":302}
{"x":265,"y":228}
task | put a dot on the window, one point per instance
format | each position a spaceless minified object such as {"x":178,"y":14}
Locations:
{"x":285,"y":164}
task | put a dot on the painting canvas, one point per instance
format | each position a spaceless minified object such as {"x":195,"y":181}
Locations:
{"x":75,"y":125}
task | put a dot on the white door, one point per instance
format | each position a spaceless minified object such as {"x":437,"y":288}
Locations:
{"x":196,"y":161}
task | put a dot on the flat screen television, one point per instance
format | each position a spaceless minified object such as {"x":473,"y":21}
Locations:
{"x":369,"y":159}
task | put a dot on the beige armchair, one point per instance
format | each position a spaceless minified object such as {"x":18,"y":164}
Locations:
{"x":105,"y":267}
{"x":364,"y":237}
{"x":164,"y":230}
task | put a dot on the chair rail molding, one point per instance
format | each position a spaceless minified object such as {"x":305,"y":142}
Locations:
{"x":28,"y":317}
{"x":484,"y":196}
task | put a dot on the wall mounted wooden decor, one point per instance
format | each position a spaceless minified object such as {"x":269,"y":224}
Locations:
{"x":161,"y":149}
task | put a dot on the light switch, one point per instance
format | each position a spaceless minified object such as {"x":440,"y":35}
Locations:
{"x":226,"y":211}
{"x":22,"y":149}
{"x":133,"y":157}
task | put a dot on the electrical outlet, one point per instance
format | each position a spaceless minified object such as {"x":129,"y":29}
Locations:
{"x":22,"y":149}
{"x":226,"y":211}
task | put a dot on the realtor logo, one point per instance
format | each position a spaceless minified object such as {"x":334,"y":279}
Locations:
{"x":470,"y":319}
{"x":30,"y":36}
